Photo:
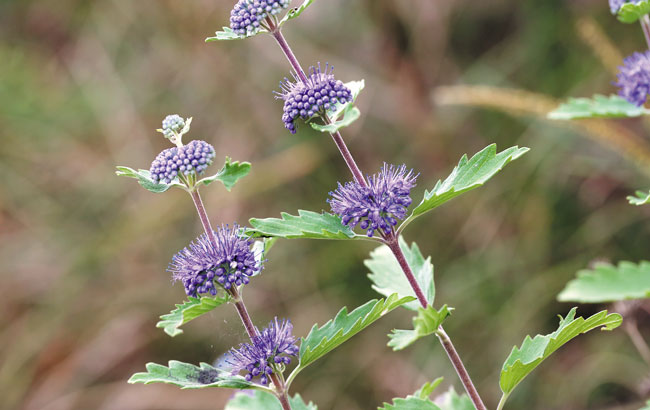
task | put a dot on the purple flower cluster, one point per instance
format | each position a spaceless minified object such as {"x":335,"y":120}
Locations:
{"x":634,"y":78}
{"x":615,"y":5}
{"x":194,"y":157}
{"x":320,"y":93}
{"x":230,"y":263}
{"x":273,"y":346}
{"x":172,"y":124}
{"x":246,"y":16}
{"x":379,"y":205}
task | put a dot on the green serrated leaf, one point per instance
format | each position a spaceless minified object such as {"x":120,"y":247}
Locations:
{"x":144,"y":179}
{"x":632,"y":12}
{"x":296,"y":11}
{"x":307,"y":224}
{"x":451,"y":400}
{"x":469,"y":174}
{"x":424,"y":324}
{"x":599,"y":106}
{"x":641,"y":198}
{"x":532,"y":352}
{"x":609,"y":283}
{"x":256,"y":400}
{"x":410,"y":403}
{"x":427,"y":389}
{"x":388,"y":278}
{"x":228,"y":34}
{"x":189,"y":376}
{"x":188,"y":311}
{"x":348,"y":111}
{"x":230,"y":173}
{"x":350,"y":115}
{"x":324,"y":339}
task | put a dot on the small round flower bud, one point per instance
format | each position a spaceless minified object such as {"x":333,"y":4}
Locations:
{"x":380,"y":205}
{"x":634,"y":78}
{"x":247,"y":15}
{"x":274,"y":346}
{"x":172,"y":124}
{"x":200,"y":265}
{"x":194,"y":157}
{"x":314,"y":98}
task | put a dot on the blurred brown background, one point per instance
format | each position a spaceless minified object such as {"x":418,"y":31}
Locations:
{"x":84,"y":84}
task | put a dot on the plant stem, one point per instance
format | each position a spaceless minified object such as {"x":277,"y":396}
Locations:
{"x":645,"y":26}
{"x":336,"y":136}
{"x":502,"y":402}
{"x":391,"y":241}
{"x":280,"y":390}
{"x":633,"y":332}
{"x":393,"y":244}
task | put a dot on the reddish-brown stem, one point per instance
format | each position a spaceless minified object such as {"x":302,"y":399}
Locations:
{"x":645,"y":26}
{"x":281,"y":391}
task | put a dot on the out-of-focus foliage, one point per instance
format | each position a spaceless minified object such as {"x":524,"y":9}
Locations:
{"x":84,"y":85}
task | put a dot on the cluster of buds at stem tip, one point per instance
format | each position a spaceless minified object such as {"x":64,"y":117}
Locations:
{"x":247,"y":17}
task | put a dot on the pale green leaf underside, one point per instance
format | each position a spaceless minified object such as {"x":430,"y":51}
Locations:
{"x":344,"y":114}
{"x":228,"y":34}
{"x":324,"y":339}
{"x":229,"y":174}
{"x":641,"y":198}
{"x":451,"y":400}
{"x":532,"y":352}
{"x":296,"y":11}
{"x":188,"y":311}
{"x":258,"y":400}
{"x":599,"y":106}
{"x":631,"y":13}
{"x":307,"y":224}
{"x":189,"y":376}
{"x":469,"y":174}
{"x":609,"y":283}
{"x":387,"y":276}
{"x":424,"y":324}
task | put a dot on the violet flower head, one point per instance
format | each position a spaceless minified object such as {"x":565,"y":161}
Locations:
{"x":194,"y":157}
{"x":615,"y":5}
{"x":319,"y":94}
{"x":201,"y":265}
{"x":172,"y":124}
{"x":380,"y":205}
{"x":634,"y":78}
{"x":273,"y":347}
{"x":246,"y":16}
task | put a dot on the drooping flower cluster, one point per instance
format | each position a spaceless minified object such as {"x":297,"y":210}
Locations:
{"x":201,"y":264}
{"x":246,"y":16}
{"x":273,"y":346}
{"x":615,"y":5}
{"x":320,"y":93}
{"x":379,"y":205}
{"x":194,"y":157}
{"x":634,"y":78}
{"x":172,"y":124}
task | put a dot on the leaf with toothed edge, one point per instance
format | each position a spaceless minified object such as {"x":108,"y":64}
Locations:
{"x":417,"y":401}
{"x":230,"y":173}
{"x":600,"y":106}
{"x":296,"y":11}
{"x":450,"y":400}
{"x":189,"y":376}
{"x":424,"y":324}
{"x":307,"y":224}
{"x":641,"y":198}
{"x":523,"y":360}
{"x":189,"y":311}
{"x":609,"y":283}
{"x":228,"y":34}
{"x":343,"y":115}
{"x":144,"y":179}
{"x":387,"y":276}
{"x":469,"y":174}
{"x":324,"y":339}
{"x":256,"y":400}
{"x":632,"y":12}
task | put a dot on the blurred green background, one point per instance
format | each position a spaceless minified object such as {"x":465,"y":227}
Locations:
{"x":84,"y":85}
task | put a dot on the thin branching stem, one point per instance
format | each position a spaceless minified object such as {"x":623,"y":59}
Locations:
{"x":280,"y":389}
